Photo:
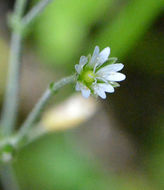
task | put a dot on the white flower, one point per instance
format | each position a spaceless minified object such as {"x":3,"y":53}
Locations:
{"x":98,"y":74}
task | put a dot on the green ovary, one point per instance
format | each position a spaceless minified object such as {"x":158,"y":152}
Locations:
{"x":88,"y":76}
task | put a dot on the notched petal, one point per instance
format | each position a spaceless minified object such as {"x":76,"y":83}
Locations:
{"x":85,"y":92}
{"x":83,"y":60}
{"x":110,"y":68}
{"x":77,"y":87}
{"x":106,"y":87}
{"x":103,"y":56}
{"x":94,"y":56}
{"x":77,"y":68}
{"x":99,"y":91}
{"x":116,"y":77}
{"x":96,"y":51}
{"x":84,"y":89}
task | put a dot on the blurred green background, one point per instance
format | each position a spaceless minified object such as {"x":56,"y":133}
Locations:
{"x":131,"y":157}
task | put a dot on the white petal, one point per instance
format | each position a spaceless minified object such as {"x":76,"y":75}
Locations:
{"x":82,"y":62}
{"x":103,"y":56}
{"x":118,"y":67}
{"x":106,"y":87}
{"x":115,"y":76}
{"x":99,"y":91}
{"x":102,"y":94}
{"x":77,"y":68}
{"x":85,"y":92}
{"x":77,"y":87}
{"x":110,"y":68}
{"x":94,"y":56}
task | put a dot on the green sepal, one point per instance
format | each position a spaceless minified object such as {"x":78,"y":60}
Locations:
{"x":51,"y":87}
{"x":110,"y":61}
{"x":89,"y":57}
{"x":115,"y":84}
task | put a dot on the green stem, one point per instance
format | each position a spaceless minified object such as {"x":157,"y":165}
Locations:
{"x":34,"y":12}
{"x":41,"y":105}
{"x":8,"y":177}
{"x":11,"y":99}
{"x":10,"y":108}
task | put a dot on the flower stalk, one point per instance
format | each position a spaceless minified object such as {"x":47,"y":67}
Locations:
{"x":10,"y":107}
{"x":37,"y":110}
{"x":18,"y":24}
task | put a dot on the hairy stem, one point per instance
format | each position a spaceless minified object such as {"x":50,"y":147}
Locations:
{"x":9,"y":113}
{"x":10,"y":107}
{"x":12,"y":91}
{"x":41,"y":105}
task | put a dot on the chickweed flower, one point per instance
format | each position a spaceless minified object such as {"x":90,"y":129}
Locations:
{"x":98,"y":74}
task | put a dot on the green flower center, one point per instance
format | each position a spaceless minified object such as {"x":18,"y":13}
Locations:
{"x":88,"y":76}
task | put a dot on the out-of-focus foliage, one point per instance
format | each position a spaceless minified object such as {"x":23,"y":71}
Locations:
{"x":64,"y":26}
{"x":56,"y":162}
{"x":69,"y":28}
{"x":150,"y":54}
{"x":154,"y":160}
{"x":68,"y":25}
{"x":129,"y":25}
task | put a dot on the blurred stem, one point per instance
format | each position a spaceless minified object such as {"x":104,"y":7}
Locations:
{"x":34,"y":12}
{"x":35,"y":113}
{"x":11,"y":99}
{"x":9,"y":113}
{"x":19,"y":8}
{"x":8,"y":177}
{"x":10,"y":108}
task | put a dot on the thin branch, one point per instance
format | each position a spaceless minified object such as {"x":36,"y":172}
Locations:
{"x":12,"y":92}
{"x":41,"y":105}
{"x":19,"y":8}
{"x":34,"y":12}
{"x":10,"y":107}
